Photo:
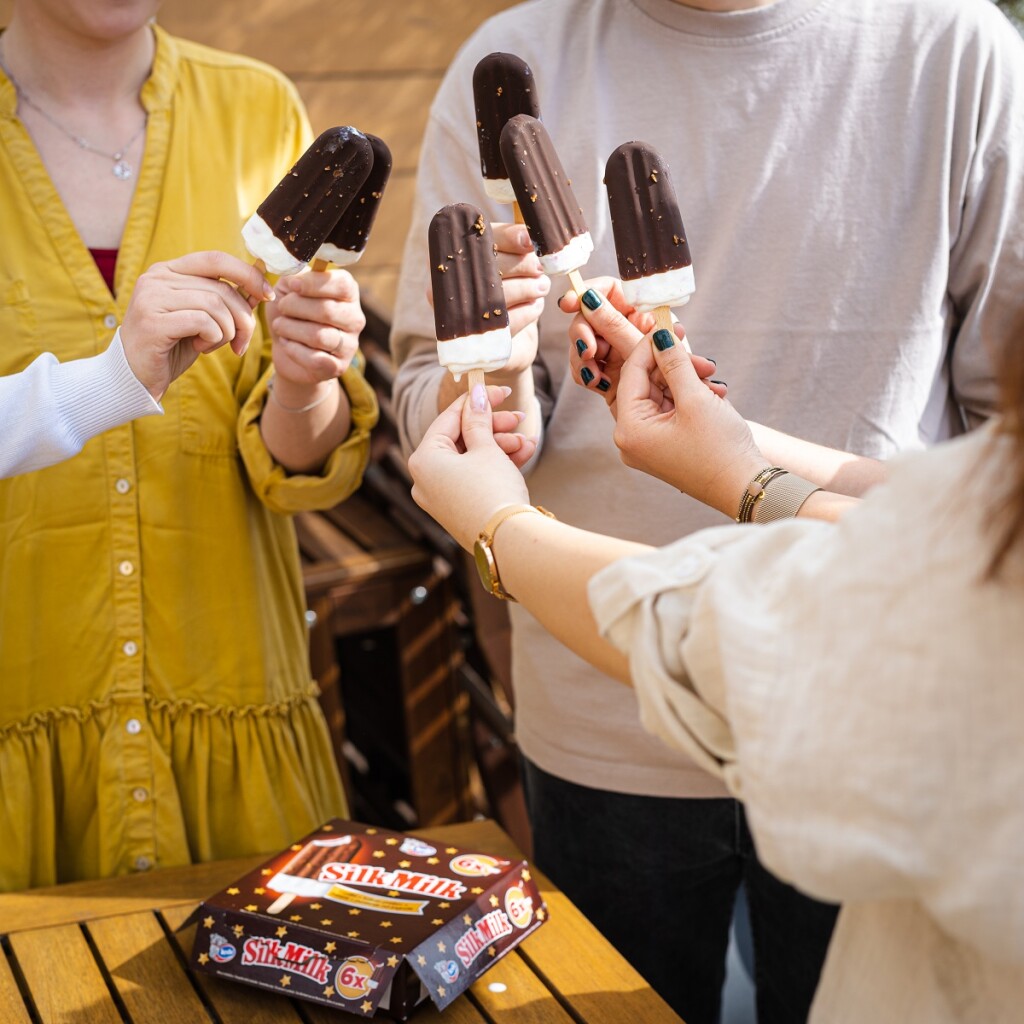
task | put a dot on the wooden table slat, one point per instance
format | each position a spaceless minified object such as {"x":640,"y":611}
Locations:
{"x":142,"y":963}
{"x":67,"y":985}
{"x":525,"y":999}
{"x":10,"y":996}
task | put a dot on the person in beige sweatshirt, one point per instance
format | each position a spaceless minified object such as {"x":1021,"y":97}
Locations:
{"x":850,"y":175}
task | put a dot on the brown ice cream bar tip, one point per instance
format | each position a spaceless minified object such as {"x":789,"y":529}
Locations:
{"x":353,"y":229}
{"x":503,"y":86}
{"x":549,"y":208}
{"x":468,"y":298}
{"x":312,"y":196}
{"x":312,"y":857}
{"x":648,"y":228}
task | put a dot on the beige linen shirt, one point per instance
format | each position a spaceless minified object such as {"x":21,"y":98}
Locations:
{"x":861,"y":689}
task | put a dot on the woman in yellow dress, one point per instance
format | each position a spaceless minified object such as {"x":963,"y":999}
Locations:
{"x":156,"y":705}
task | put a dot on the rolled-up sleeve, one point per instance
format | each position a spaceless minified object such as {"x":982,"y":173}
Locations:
{"x":287,"y":493}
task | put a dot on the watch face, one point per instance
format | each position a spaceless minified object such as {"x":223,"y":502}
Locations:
{"x":485,"y":566}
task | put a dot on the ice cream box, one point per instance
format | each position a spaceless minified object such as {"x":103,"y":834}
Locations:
{"x":367,"y":920}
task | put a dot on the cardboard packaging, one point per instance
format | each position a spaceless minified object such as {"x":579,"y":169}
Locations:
{"x":365,"y":919}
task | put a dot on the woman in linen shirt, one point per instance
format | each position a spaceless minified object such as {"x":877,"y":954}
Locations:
{"x":857,"y":684}
{"x":156,"y":706}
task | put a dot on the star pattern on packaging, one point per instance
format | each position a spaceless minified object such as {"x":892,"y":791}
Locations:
{"x":233,"y":891}
{"x":285,"y":981}
{"x":493,"y":901}
{"x":371,"y":831}
{"x":282,"y":931}
{"x":267,"y":871}
{"x":541,"y":914}
{"x":466,"y":919}
{"x":385,"y":924}
{"x":329,"y":991}
{"x":444,"y":906}
{"x":366,"y":1006}
{"x":352,"y":935}
{"x":492,"y":951}
{"x":437,"y":922}
{"x":396,"y":940}
{"x":441,"y":947}
{"x":421,"y":960}
{"x":326,"y":922}
{"x":405,"y":863}
{"x":330,"y":947}
{"x":315,"y":906}
{"x":391,"y":842}
{"x":451,"y":849}
{"x":379,"y":853}
{"x":526,"y":875}
{"x":238,"y":930}
{"x":207,"y":922}
{"x":203,"y":958}
{"x":433,"y":860}
{"x":250,"y":907}
{"x":259,"y":891}
{"x":294,"y":917}
{"x":476,"y":890}
{"x":393,"y":961}
{"x":441,"y":991}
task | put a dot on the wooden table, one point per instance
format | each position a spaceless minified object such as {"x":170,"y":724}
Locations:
{"x":107,"y":953}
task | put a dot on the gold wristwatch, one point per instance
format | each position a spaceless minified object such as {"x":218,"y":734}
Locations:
{"x":486,"y":566}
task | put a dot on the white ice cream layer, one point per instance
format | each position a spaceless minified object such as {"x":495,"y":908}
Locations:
{"x":488,"y":351}
{"x":669,"y":288}
{"x":500,"y":190}
{"x":339,"y":257}
{"x":571,"y":257}
{"x":264,"y":245}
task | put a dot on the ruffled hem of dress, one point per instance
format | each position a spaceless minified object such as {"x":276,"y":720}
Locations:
{"x":83,"y":713}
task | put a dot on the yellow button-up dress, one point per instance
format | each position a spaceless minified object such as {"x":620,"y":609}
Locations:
{"x":156,"y":706}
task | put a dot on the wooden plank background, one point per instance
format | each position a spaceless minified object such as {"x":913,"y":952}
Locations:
{"x":372,"y":63}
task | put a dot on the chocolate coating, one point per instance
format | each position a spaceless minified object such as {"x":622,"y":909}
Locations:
{"x":352,"y":231}
{"x":646,"y":222}
{"x":546,"y":200}
{"x":311,"y":197}
{"x":468,"y":298}
{"x":503,"y":86}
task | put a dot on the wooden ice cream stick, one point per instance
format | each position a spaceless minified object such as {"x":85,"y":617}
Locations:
{"x":319,"y":264}
{"x":474,"y":377}
{"x":517,"y":214}
{"x":576,"y":280}
{"x":663,"y":321}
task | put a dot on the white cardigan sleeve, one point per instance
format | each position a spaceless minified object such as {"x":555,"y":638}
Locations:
{"x":50,"y":409}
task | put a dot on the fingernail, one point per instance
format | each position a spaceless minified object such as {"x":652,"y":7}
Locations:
{"x":591,"y":299}
{"x":713,"y":362}
{"x":581,"y":346}
{"x":586,"y":375}
{"x":604,"y":384}
{"x":722,"y":382}
{"x":524,"y":239}
{"x":268,"y":291}
{"x":565,"y":295}
{"x":506,"y":390}
{"x":663,"y":339}
{"x":520,"y":416}
{"x":478,"y":398}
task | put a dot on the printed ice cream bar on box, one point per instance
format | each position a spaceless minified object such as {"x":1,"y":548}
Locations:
{"x":366,"y":919}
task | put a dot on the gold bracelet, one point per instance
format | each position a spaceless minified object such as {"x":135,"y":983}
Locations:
{"x":483,"y":553}
{"x":287,"y":408}
{"x":755,"y":492}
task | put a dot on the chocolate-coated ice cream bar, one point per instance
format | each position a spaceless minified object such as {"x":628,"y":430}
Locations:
{"x":470,"y":317}
{"x":293,"y":221}
{"x":650,"y":242}
{"x":544,"y":193}
{"x":503,"y":86}
{"x":347,"y":241}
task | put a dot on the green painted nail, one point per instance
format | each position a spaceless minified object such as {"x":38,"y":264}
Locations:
{"x":663,"y":339}
{"x":586,"y":375}
{"x":581,"y":346}
{"x":604,"y":384}
{"x":591,"y":299}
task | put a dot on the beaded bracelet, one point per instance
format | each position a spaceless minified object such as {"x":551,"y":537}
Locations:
{"x":287,"y":408}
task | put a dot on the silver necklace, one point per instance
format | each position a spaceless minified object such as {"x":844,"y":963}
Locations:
{"x":121,"y":168}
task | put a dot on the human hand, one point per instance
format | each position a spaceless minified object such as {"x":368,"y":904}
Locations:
{"x":185,"y":307}
{"x":468,"y":464}
{"x":601,"y":339}
{"x":315,"y":323}
{"x":689,"y":437}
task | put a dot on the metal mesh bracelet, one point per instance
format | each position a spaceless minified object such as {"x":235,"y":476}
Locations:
{"x":782,"y":498}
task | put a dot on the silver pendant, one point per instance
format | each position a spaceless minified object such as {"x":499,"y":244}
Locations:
{"x":122,"y":170}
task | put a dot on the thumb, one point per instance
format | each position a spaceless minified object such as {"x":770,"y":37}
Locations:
{"x":477,"y":419}
{"x":635,"y":376}
{"x":609,"y":322}
{"x":673,"y":359}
